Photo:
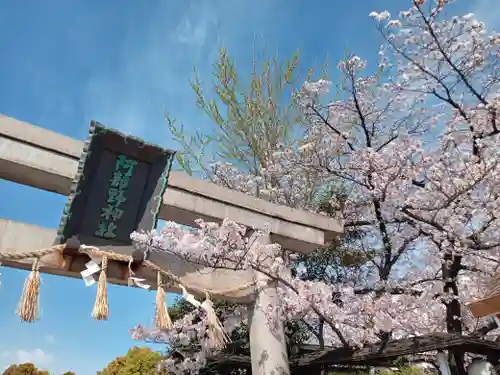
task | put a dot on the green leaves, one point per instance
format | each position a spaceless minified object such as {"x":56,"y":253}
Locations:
{"x":137,"y":361}
{"x":248,"y":116}
{"x":24,"y":369}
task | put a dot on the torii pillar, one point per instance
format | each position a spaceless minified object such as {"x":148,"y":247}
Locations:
{"x":268,"y":350}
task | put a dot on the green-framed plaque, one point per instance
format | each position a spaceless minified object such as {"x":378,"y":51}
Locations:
{"x":118,"y":189}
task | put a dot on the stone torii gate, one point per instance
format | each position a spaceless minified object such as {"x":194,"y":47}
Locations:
{"x":40,"y":158}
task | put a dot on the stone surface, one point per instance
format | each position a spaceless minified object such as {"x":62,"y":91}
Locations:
{"x":268,"y":349}
{"x":43,"y":159}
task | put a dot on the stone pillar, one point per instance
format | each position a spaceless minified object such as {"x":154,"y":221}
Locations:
{"x":267,"y":340}
{"x":480,"y":367}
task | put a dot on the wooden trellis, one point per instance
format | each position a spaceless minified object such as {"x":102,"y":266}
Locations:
{"x":490,"y":304}
{"x":311,"y":358}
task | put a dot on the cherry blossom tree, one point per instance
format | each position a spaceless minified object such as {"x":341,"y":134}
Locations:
{"x":415,"y":151}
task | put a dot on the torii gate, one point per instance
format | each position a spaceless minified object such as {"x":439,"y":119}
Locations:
{"x":40,"y":158}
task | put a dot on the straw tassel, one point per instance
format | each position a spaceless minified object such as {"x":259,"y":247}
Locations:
{"x":101,"y":308}
{"x":28,"y":308}
{"x":217,"y":337}
{"x":162,"y":318}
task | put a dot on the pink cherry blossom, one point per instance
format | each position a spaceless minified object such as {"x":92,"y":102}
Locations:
{"x":415,"y":149}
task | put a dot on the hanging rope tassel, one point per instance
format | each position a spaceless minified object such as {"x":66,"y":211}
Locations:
{"x":162,"y":318}
{"x":217,"y":337}
{"x":28,"y":308}
{"x":101,"y":308}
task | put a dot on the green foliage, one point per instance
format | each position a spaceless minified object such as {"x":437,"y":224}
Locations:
{"x":69,"y":373}
{"x":353,"y":372}
{"x":24,"y":369}
{"x":403,"y":370}
{"x":137,"y":361}
{"x":179,"y":309}
{"x":248,"y":118}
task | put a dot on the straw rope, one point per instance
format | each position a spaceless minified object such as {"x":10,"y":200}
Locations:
{"x":162,"y":318}
{"x":124,"y":258}
{"x":28,"y":308}
{"x":101,"y":306}
{"x":30,"y":254}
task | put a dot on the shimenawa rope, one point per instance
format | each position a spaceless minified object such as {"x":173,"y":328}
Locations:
{"x":121,"y":258}
{"x":28,"y":308}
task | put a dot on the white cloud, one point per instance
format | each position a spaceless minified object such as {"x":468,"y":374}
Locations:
{"x":193,"y":35}
{"x":37,"y":356}
{"x":487,"y":11}
{"x":50,"y":339}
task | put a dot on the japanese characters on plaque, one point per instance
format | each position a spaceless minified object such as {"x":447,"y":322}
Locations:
{"x":118,"y":188}
{"x":118,"y":185}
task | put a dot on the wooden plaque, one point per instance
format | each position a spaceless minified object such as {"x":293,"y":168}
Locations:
{"x":118,"y":189}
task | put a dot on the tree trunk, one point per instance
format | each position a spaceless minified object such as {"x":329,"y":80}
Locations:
{"x":451,"y":267}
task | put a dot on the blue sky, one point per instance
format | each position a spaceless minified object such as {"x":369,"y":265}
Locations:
{"x":123,"y":63}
